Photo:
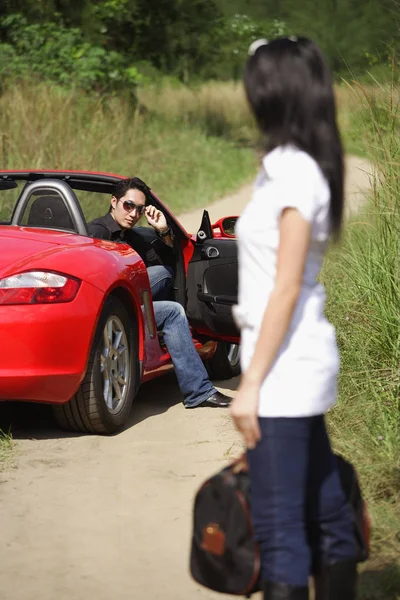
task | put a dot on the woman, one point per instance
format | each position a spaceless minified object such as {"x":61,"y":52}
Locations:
{"x":290,"y":359}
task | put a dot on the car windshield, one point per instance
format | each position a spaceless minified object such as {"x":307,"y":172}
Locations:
{"x":8,"y":199}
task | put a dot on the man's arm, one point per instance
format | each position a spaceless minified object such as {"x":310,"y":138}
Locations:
{"x":165,"y":251}
{"x":167,"y":237}
{"x":157,"y":220}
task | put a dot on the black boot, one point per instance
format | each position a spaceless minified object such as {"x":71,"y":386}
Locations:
{"x":337,"y":582}
{"x":284,"y":591}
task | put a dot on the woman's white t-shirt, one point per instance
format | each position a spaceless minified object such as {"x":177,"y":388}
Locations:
{"x":302,"y":380}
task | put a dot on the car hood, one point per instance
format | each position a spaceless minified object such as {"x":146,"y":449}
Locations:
{"x":21,"y":247}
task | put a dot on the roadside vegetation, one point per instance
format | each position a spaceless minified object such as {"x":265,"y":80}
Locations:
{"x":186,"y":166}
{"x":362,"y":277}
{"x":191,"y":145}
{"x":6,"y":449}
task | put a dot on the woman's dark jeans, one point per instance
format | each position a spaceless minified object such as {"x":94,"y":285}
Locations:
{"x":300,"y":514}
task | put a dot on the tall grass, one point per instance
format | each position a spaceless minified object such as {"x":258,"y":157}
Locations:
{"x":219,"y":108}
{"x":363,"y":284}
{"x":191,"y":145}
{"x":6,"y":448}
{"x":185,"y":164}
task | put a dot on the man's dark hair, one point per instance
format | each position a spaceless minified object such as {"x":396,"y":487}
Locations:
{"x":134,"y":183}
{"x":290,"y":90}
{"x":130,"y":184}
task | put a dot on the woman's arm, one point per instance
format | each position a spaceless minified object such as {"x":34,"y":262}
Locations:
{"x":295,"y":235}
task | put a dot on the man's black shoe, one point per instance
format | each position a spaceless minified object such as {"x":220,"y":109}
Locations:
{"x":217,"y":400}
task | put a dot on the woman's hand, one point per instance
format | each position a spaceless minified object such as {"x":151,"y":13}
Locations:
{"x":244,"y":410}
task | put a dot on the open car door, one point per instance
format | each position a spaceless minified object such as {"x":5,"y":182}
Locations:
{"x":212,"y":285}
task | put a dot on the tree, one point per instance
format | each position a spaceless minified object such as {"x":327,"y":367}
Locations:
{"x":256,"y":10}
{"x":347,"y":30}
{"x":236,"y":36}
{"x":177,"y":35}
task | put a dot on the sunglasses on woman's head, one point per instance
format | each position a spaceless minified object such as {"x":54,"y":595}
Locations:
{"x":129,"y":206}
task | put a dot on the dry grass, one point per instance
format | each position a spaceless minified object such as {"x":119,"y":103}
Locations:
{"x":43,"y":127}
{"x":363,"y":289}
{"x":6,"y":449}
{"x":220,"y":108}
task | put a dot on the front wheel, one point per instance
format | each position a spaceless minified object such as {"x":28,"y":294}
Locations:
{"x":225,"y":363}
{"x":103,"y":401}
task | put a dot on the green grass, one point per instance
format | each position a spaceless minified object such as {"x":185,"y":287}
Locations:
{"x":186,"y":165}
{"x":362,"y":278}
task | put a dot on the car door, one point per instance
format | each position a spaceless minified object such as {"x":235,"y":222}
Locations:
{"x":212,"y":285}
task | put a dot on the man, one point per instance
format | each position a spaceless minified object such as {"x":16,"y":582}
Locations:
{"x":128,"y":204}
{"x":127,"y":207}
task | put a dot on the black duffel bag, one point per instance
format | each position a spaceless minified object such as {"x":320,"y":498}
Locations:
{"x":224,"y":554}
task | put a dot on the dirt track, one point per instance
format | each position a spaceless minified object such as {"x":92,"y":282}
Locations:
{"x":109,"y":518}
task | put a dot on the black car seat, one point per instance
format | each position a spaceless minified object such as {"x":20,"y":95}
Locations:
{"x":50,"y":212}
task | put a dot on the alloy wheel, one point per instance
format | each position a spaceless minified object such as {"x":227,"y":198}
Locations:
{"x":115,"y":364}
{"x":233,"y":352}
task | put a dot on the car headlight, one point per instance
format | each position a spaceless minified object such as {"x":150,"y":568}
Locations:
{"x":38,"y":287}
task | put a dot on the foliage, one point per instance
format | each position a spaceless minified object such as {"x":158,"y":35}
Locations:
{"x":173,"y":35}
{"x":362,"y":281}
{"x":236,"y":36}
{"x":257,"y":10}
{"x":191,"y":40}
{"x":349,"y":31}
{"x":55,"y":53}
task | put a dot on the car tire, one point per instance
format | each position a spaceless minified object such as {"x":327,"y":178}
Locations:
{"x":103,"y":401}
{"x":225,"y":363}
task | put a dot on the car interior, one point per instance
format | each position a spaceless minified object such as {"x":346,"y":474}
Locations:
{"x":50,"y":212}
{"x":49,"y":206}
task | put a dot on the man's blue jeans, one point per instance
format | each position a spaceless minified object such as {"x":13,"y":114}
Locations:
{"x":161,"y":278}
{"x":300,"y":514}
{"x":190,"y":371}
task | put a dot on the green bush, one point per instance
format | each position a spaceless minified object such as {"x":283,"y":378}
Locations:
{"x":55,"y":53}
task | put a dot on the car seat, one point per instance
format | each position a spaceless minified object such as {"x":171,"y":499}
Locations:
{"x":50,"y":212}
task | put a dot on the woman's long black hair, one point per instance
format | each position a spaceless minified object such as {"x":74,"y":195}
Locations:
{"x":290,"y":90}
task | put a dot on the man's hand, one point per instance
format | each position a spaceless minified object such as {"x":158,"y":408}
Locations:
{"x":244,"y":410}
{"x":155,"y":218}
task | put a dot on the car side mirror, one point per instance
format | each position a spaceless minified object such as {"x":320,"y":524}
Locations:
{"x":226,"y":226}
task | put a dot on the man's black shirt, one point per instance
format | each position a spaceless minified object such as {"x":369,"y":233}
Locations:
{"x":150,"y":248}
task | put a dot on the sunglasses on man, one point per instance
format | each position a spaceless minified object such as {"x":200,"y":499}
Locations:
{"x":129,"y":206}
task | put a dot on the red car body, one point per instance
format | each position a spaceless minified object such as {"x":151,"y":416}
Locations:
{"x":46,"y":347}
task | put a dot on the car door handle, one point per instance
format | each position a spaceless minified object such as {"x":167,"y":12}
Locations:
{"x":227,"y":300}
{"x":211,"y":252}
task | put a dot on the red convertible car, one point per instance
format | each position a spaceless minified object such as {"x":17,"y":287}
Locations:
{"x":76,"y":315}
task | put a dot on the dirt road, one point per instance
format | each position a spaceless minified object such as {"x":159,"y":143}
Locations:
{"x":109,"y":518}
